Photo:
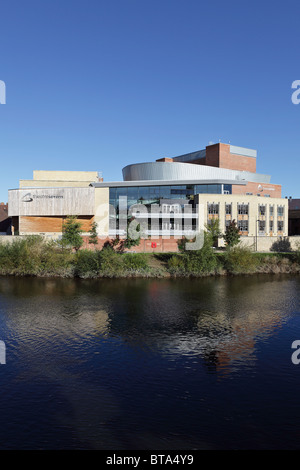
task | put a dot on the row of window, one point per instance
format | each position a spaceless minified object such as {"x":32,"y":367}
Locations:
{"x":153,"y":194}
{"x":243,"y":225}
{"x":243,"y":209}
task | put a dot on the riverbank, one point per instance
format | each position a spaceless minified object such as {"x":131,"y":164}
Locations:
{"x":33,"y":256}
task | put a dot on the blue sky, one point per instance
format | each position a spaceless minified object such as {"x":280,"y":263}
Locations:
{"x":96,"y":85}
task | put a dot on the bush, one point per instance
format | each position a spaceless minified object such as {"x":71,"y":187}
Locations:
{"x":135,"y":262}
{"x":240,"y":260}
{"x":282,"y":245}
{"x":176,"y":264}
{"x":87,"y":264}
{"x":33,"y":255}
{"x":195,"y":262}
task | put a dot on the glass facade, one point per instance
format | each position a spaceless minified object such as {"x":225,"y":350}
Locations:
{"x":148,"y":195}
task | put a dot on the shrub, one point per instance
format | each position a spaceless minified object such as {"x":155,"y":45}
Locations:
{"x":176,"y":264}
{"x":135,"y":262}
{"x":195,"y":262}
{"x":33,"y":255}
{"x":110,"y":262}
{"x":282,"y":245}
{"x":87,"y":264}
{"x":240,"y":260}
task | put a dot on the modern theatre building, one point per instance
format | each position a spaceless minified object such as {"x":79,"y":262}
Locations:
{"x":170,"y":197}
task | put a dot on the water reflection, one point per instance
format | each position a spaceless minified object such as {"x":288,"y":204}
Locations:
{"x":105,"y":363}
{"x":220,"y":320}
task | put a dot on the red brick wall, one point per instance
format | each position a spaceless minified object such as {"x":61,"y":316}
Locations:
{"x":165,"y":159}
{"x":219,"y":155}
{"x":274,"y":190}
{"x":145,"y":246}
{"x":213,"y":155}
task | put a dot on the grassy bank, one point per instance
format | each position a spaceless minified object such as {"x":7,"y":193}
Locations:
{"x":34,"y":256}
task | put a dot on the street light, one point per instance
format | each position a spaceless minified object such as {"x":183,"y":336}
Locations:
{"x":257,"y":234}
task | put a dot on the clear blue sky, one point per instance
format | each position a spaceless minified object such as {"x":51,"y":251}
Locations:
{"x":96,"y":85}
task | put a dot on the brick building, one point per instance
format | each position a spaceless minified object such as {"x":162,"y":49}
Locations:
{"x":163,"y":196}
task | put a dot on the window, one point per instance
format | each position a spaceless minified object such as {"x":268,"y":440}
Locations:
{"x":271,"y":225}
{"x":280,"y":225}
{"x":271,"y":208}
{"x":243,"y":225}
{"x":262,"y":210}
{"x":280,"y":211}
{"x":243,"y":209}
{"x":227,"y":189}
{"x":171,"y":208}
{"x":228,"y":209}
{"x":213,"y":208}
{"x":261,"y":226}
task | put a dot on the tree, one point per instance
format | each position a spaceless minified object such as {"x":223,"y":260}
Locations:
{"x":133,"y":237}
{"x":93,"y":238}
{"x":72,"y":233}
{"x":214,"y":229}
{"x":232,"y":234}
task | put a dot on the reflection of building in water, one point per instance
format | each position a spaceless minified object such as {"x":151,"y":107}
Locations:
{"x":236,"y":335}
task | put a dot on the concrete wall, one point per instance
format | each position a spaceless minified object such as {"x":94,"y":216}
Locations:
{"x":254,"y":202}
{"x":65,"y":175}
{"x":266,"y":244}
{"x":52,"y":179}
{"x":102,"y":211}
{"x":51,"y":202}
{"x":53,"y":184}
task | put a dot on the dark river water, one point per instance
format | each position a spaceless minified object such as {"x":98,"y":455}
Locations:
{"x":150,"y":364}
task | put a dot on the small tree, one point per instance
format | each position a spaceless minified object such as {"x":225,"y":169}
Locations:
{"x":232,"y":234}
{"x":213,"y":229}
{"x":72,"y":233}
{"x":133,"y":228}
{"x":93,"y":238}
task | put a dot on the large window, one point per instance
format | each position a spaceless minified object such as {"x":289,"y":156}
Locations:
{"x":243,"y":225}
{"x":153,"y":194}
{"x":261,"y":226}
{"x":213,"y":209}
{"x":262,"y":210}
{"x":280,"y":225}
{"x":243,"y":209}
{"x":228,"y":209}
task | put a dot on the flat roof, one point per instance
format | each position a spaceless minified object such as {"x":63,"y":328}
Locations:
{"x":114,"y":184}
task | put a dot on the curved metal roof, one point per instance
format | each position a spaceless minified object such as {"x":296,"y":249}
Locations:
{"x":175,"y":171}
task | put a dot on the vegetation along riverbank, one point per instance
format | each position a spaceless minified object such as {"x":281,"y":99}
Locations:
{"x":35,"y":256}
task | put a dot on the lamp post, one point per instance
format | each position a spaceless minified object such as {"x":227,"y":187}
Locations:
{"x":257,"y":234}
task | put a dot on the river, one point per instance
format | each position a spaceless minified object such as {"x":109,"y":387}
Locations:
{"x":150,"y":364}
